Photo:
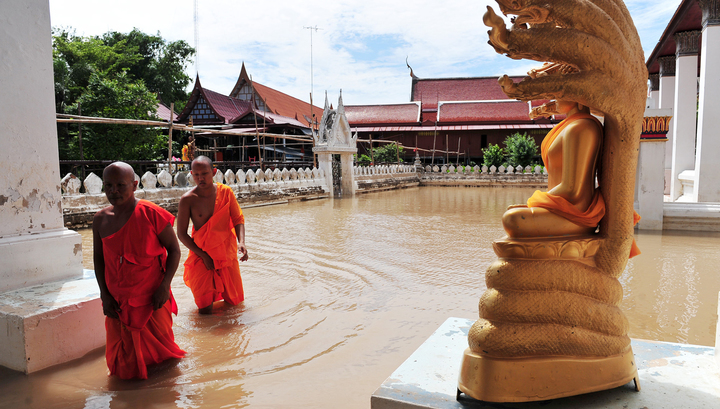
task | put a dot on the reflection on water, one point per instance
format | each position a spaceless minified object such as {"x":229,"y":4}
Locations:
{"x":341,"y":292}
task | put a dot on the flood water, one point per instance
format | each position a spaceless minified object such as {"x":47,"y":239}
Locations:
{"x":340,"y":292}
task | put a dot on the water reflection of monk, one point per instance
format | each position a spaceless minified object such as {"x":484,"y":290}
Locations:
{"x":572,"y":205}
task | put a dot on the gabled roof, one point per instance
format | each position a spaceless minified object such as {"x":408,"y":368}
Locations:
{"x":431,"y":90}
{"x":397,"y":114}
{"x":277,"y":102}
{"x":210,"y":107}
{"x":687,"y":17}
{"x":163,"y":112}
{"x":485,"y":112}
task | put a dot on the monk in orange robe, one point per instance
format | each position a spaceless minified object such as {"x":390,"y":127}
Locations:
{"x":136,"y":255}
{"x":572,"y":205}
{"x":212,"y":271}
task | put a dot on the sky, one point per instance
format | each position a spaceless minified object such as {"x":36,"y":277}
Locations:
{"x":359,"y":47}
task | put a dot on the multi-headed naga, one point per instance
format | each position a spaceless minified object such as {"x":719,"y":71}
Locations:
{"x":549,"y":322}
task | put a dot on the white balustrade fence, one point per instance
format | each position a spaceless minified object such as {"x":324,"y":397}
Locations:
{"x":255,"y":180}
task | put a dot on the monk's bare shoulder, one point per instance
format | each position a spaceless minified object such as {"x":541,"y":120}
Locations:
{"x":189,"y":197}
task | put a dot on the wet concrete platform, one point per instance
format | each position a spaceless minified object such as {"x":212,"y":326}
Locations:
{"x":671,"y":376}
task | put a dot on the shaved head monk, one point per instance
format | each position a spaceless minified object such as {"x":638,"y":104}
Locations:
{"x":212,"y":270}
{"x":136,"y":255}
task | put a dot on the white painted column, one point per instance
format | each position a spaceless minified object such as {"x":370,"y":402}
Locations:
{"x":650,"y":178}
{"x":35,"y":247}
{"x":707,"y":163}
{"x":666,"y":100}
{"x":683,"y":155}
{"x":325,"y":163}
{"x":348,"y":176}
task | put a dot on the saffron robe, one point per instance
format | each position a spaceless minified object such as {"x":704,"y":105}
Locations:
{"x":217,"y":238}
{"x":561,"y":206}
{"x":134,"y":268}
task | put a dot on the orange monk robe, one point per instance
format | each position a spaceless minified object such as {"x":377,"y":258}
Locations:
{"x":134,"y":267}
{"x":217,"y":238}
{"x":561,"y":206}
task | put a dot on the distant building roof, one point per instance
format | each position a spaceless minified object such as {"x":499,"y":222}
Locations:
{"x":687,"y":17}
{"x":163,"y":112}
{"x":275,"y":101}
{"x":510,"y":111}
{"x":210,"y":107}
{"x":400,"y":114}
{"x":431,"y":90}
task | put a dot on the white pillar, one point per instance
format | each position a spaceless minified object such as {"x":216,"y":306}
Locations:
{"x":325,"y":163}
{"x":35,"y":247}
{"x":650,"y":177}
{"x":683,"y":155}
{"x":666,"y":100}
{"x":707,"y":164}
{"x":348,"y":176}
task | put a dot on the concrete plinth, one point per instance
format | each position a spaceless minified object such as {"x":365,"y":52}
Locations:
{"x":671,"y":376}
{"x":49,"y":324}
{"x":38,"y":258}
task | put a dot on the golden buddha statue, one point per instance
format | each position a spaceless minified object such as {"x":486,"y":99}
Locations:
{"x":572,"y":205}
{"x":549,"y":324}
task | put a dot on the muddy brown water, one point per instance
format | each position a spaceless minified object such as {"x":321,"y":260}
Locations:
{"x":340,"y":292}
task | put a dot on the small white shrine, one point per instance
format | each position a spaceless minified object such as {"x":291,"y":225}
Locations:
{"x":334,"y":137}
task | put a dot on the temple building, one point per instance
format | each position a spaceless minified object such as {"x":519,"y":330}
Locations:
{"x":683,"y":71}
{"x":461,"y":115}
{"x":250,"y":108}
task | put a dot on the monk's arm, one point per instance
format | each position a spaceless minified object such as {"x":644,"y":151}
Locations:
{"x":183,"y":221}
{"x":109,"y":304}
{"x":240,"y":233}
{"x":169,"y":241}
{"x":580,"y":146}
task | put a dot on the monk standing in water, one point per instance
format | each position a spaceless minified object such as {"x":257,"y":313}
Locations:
{"x":136,"y":255}
{"x":212,"y":271}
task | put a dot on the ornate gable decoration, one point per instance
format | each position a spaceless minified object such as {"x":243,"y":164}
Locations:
{"x":334,"y":134}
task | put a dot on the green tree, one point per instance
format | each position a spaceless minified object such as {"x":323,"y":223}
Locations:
{"x":521,"y":149}
{"x":118,"y":98}
{"x":388,"y":153}
{"x":493,"y":155}
{"x":119,"y":76}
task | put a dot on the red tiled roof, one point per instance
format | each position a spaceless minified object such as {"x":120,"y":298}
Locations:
{"x":285,"y":105}
{"x":226,"y":107}
{"x":687,"y":17}
{"x":278,"y":102}
{"x":474,"y":112}
{"x":448,"y":127}
{"x":432,"y":90}
{"x":407,"y":113}
{"x":163,"y":112}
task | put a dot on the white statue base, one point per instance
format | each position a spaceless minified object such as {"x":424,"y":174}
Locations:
{"x":49,"y":324}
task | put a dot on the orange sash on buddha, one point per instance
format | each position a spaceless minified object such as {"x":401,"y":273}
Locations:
{"x":217,"y":238}
{"x":561,"y":206}
{"x":134,"y":268}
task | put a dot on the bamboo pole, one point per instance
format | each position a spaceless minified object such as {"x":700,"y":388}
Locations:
{"x":372,"y":157}
{"x":82,"y":155}
{"x":170,"y":129}
{"x":457,"y":159}
{"x":447,"y":146}
{"x":433,"y":149}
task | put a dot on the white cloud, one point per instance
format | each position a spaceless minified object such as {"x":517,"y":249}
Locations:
{"x":360,"y":47}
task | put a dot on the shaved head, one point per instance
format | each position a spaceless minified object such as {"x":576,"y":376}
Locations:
{"x":202,"y":159}
{"x":120,"y":168}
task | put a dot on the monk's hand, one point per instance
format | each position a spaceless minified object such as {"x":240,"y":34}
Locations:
{"x":110,"y":305}
{"x":208,"y":261}
{"x":514,"y":206}
{"x":160,"y":297}
{"x":243,"y":250}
